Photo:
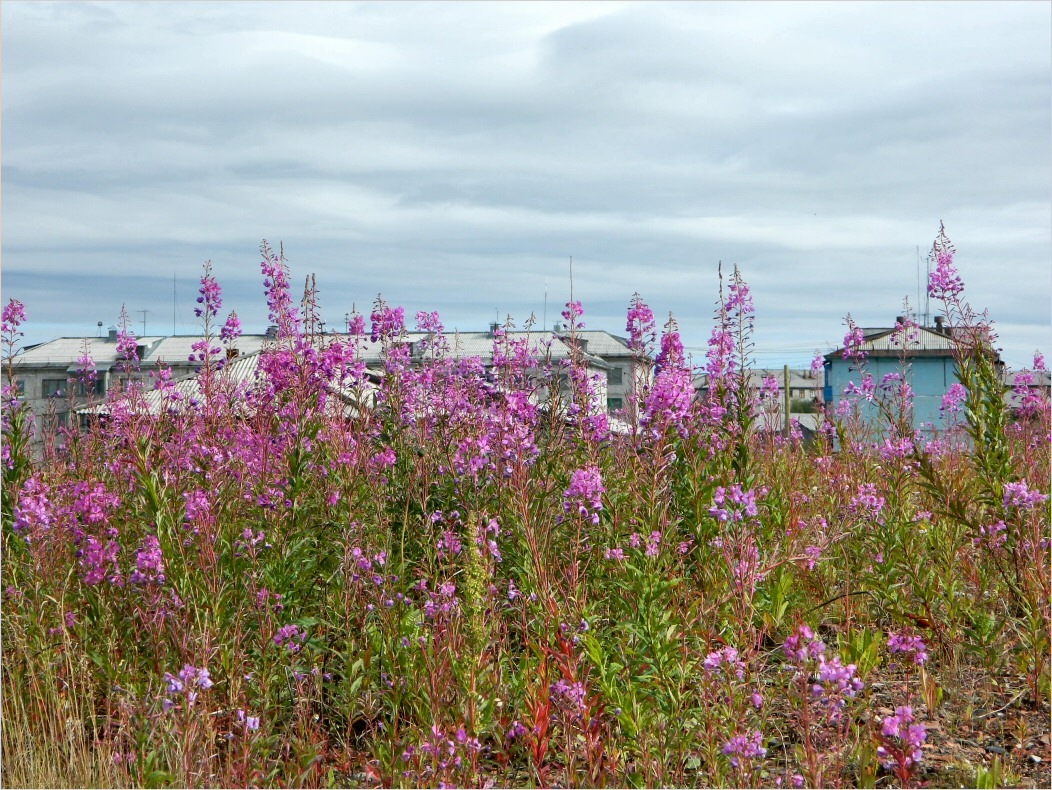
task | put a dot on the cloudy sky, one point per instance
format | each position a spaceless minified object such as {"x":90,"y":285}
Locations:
{"x":455,"y":156}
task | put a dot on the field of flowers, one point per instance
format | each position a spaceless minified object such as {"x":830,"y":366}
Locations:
{"x":442,"y":574}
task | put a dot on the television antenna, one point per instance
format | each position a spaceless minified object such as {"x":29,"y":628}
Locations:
{"x":144,"y":311}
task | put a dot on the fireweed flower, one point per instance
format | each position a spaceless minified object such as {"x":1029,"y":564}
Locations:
{"x":97,"y":559}
{"x":903,"y":739}
{"x":250,"y":723}
{"x":732,"y":504}
{"x":210,"y":297}
{"x":640,"y":326}
{"x":291,"y":637}
{"x":585,"y":494}
{"x":1018,"y":495}
{"x":231,"y":330}
{"x":745,"y":746}
{"x":187,"y":683}
{"x":149,"y":562}
{"x":13,"y":316}
{"x":853,"y":343}
{"x":952,"y":400}
{"x":912,"y":646}
{"x":830,"y":681}
{"x":944,"y":282}
{"x":992,"y":536}
{"x":387,"y":323}
{"x":867,"y":503}
{"x":725,"y":660}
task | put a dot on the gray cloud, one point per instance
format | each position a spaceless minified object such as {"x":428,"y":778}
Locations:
{"x":454,"y":156}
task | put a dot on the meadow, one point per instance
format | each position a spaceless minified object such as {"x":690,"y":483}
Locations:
{"x":440,"y":574}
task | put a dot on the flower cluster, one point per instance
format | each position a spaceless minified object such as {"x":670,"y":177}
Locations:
{"x":640,"y":326}
{"x":745,"y":746}
{"x":944,"y":282}
{"x":13,"y":316}
{"x":912,"y":646}
{"x":867,"y":503}
{"x":1020,"y":496}
{"x":725,"y":660}
{"x":187,"y":683}
{"x":733,"y":504}
{"x":211,"y":296}
{"x":952,"y":400}
{"x":231,"y":330}
{"x":149,"y":562}
{"x":831,"y":681}
{"x":442,"y":752}
{"x":585,"y":494}
{"x":992,"y":536}
{"x":97,"y":559}
{"x":291,"y":637}
{"x":901,"y":740}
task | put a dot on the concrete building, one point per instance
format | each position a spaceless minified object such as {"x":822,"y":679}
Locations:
{"x":804,"y":386}
{"x":47,"y":373}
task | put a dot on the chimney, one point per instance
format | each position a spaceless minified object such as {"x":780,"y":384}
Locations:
{"x":112,"y":336}
{"x":900,"y":320}
{"x":272,"y":332}
{"x":493,"y":327}
{"x":939,"y":325}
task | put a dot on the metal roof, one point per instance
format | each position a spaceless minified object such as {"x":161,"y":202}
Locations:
{"x":241,"y":372}
{"x":885,"y":342}
{"x":175,"y":350}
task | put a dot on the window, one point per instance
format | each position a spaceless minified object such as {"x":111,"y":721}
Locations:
{"x":614,"y":404}
{"x":60,"y":388}
{"x":614,"y":375}
{"x":20,"y":387}
{"x":98,"y":388}
{"x":54,"y":388}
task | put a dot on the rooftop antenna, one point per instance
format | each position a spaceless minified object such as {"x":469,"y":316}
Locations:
{"x":925,"y":322}
{"x":544,"y":323}
{"x":927,"y":296}
{"x":173,"y":304}
{"x":144,"y":311}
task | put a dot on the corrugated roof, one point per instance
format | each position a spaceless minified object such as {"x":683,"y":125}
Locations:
{"x":885,"y":341}
{"x":173,"y":350}
{"x":241,"y":372}
{"x":176,"y":350}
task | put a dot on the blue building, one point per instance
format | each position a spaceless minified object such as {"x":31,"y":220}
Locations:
{"x":930,"y":369}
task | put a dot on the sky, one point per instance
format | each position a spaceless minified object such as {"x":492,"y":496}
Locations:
{"x":456,"y":157}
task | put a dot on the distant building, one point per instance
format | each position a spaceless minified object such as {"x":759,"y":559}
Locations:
{"x":931,"y":368}
{"x":47,"y":373}
{"x":804,"y":386}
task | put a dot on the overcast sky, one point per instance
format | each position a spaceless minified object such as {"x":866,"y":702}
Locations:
{"x":455,"y":156}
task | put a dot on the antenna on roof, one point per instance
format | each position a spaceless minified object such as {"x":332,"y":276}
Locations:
{"x":173,"y":304}
{"x":544,"y":323}
{"x":925,"y":322}
{"x":144,"y":311}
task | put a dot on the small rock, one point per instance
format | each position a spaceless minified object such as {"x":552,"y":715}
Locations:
{"x":1034,"y":758}
{"x":993,"y":748}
